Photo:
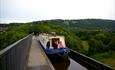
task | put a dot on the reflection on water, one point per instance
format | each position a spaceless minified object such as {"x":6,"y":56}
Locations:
{"x":60,"y":62}
{"x":65,"y":63}
{"x":61,"y":65}
{"x":75,"y":66}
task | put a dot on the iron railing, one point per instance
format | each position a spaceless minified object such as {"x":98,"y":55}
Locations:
{"x":89,"y":63}
{"x":15,"y":56}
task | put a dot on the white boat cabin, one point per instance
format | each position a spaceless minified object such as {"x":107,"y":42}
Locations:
{"x":52,"y":41}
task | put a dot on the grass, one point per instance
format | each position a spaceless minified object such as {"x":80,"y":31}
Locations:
{"x":85,"y":45}
{"x":106,"y":58}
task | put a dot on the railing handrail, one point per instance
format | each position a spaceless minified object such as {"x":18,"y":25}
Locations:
{"x":15,"y":56}
{"x":86,"y":59}
{"x":12,"y":45}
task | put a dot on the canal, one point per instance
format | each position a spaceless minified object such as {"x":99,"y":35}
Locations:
{"x":65,"y":63}
{"x":75,"y":66}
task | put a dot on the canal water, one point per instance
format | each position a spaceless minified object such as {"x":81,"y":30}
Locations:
{"x":66,"y":63}
{"x":75,"y":66}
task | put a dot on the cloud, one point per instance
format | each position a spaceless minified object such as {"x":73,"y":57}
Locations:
{"x":28,"y":10}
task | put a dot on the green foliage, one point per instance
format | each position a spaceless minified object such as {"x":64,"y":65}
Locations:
{"x":111,"y":45}
{"x":96,"y":46}
{"x":12,"y":34}
{"x":93,"y":24}
{"x":85,"y":45}
{"x":106,"y":57}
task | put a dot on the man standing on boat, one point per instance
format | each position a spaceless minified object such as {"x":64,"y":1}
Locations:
{"x":55,"y":44}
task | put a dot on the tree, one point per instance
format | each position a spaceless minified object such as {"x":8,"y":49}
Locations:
{"x":111,"y":45}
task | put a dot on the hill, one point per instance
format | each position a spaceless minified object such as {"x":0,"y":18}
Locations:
{"x":85,"y":24}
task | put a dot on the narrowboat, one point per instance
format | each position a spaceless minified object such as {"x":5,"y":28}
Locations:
{"x":53,"y":44}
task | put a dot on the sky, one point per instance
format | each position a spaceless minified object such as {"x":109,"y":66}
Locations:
{"x":35,"y":10}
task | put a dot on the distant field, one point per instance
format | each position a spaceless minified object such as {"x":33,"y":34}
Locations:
{"x":107,"y":58}
{"x":85,"y":45}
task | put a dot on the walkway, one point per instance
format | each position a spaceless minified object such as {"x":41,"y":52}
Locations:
{"x":37,"y":58}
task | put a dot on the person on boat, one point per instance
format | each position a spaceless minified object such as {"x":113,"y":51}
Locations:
{"x":60,"y":45}
{"x":55,"y":45}
{"x":48,"y":44}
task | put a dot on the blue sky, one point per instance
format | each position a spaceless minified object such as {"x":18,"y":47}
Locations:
{"x":34,"y":10}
